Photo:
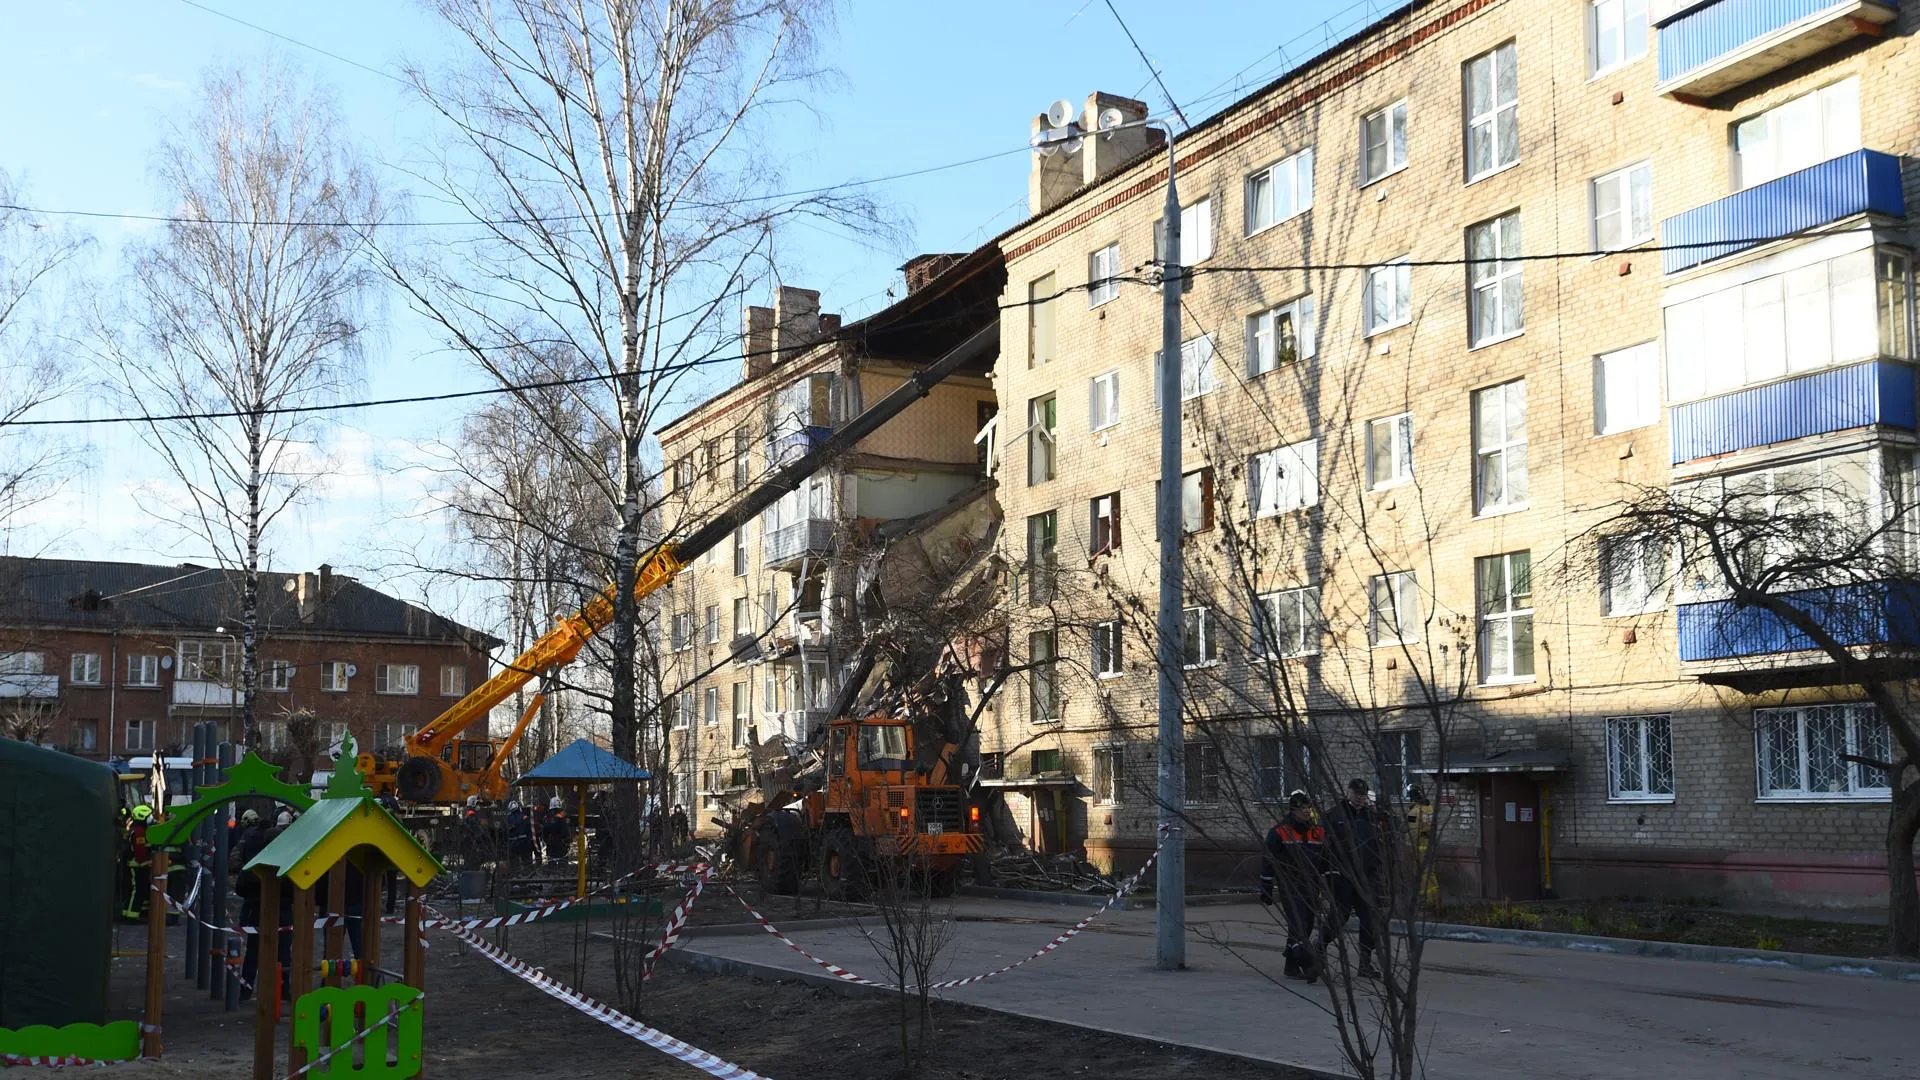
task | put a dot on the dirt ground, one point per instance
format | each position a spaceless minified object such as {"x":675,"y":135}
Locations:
{"x":1692,"y":924}
{"x":484,"y":1022}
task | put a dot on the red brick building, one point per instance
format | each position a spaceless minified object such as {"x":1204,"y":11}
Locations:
{"x":108,"y":659}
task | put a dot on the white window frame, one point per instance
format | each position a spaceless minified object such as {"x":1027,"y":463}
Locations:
{"x":683,"y":709}
{"x":1196,"y":219}
{"x":1499,"y":59}
{"x":1497,"y":284}
{"x":1394,"y":118}
{"x":1201,"y":619}
{"x":1111,"y":500}
{"x":1396,"y":433}
{"x":1496,"y":670}
{"x":1107,"y":661}
{"x":139,"y":734}
{"x":1263,"y":351}
{"x":1109,"y":773}
{"x":1626,"y":381}
{"x":1854,"y":714}
{"x":1262,"y":211}
{"x":83,"y":669}
{"x":1203,"y":757}
{"x":1043,"y":682}
{"x":711,"y":631}
{"x":1634,"y":575}
{"x":193,"y":656}
{"x":1393,"y":608}
{"x":1834,"y":108}
{"x":710,"y":706}
{"x":453,"y":680}
{"x":1103,"y":275}
{"x":1292,"y":613}
{"x":742,"y":616}
{"x":1642,"y":737}
{"x":23,"y":662}
{"x":1103,"y":400}
{"x":1622,"y":15}
{"x":1042,"y":344}
{"x":1284,"y":479}
{"x":276,"y":676}
{"x":143,"y":670}
{"x":1196,"y":370}
{"x":1042,"y":444}
{"x":1500,"y":446}
{"x":1636,"y":215}
{"x":334,"y":678}
{"x":1396,"y":276}
{"x":680,"y":630}
{"x":409,"y":679}
{"x":742,"y":712}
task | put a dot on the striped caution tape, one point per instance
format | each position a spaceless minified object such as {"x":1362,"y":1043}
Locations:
{"x":606,"y":1014}
{"x":677,"y":921}
{"x":1069,"y":934}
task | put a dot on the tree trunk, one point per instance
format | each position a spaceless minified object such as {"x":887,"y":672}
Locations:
{"x":250,"y":599}
{"x":1903,"y":897}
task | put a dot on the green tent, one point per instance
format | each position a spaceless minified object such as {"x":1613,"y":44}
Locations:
{"x":59,"y":839}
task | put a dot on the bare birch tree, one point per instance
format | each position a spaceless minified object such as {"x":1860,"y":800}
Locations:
{"x":248,"y":304}
{"x":605,"y":150}
{"x":32,"y":254}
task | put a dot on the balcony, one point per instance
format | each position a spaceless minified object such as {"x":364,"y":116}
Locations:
{"x":798,"y":725}
{"x":1837,"y":399}
{"x":16,"y":687}
{"x":193,"y":694}
{"x":788,"y":447}
{"x":1709,"y":48}
{"x":789,"y":543}
{"x":1863,"y":182}
{"x":1752,"y":649}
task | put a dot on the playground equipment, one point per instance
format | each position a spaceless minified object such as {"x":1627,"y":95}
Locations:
{"x":578,"y":766}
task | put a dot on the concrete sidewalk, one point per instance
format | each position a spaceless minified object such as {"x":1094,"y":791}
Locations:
{"x":1490,"y":1011}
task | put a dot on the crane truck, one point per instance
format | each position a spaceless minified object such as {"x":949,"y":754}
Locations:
{"x":875,"y":802}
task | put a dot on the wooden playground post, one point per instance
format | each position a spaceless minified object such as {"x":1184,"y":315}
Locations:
{"x":156,"y":956}
{"x":414,"y":970}
{"x":370,"y":882}
{"x":300,"y":978}
{"x":580,"y":848}
{"x":336,"y":917}
{"x":266,"y":987}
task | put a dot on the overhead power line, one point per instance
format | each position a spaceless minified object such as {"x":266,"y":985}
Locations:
{"x":1151,"y":70}
{"x":217,"y":13}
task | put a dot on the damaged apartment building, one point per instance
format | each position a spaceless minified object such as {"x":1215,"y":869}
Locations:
{"x":756,"y":636}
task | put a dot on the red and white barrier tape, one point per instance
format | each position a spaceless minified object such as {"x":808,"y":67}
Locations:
{"x":392,"y":1016}
{"x":681,"y":912}
{"x":606,"y":1014}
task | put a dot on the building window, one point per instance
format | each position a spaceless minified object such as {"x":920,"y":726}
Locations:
{"x":1505,"y":587}
{"x":742,"y":616}
{"x":1398,"y":756}
{"x":710,"y":703}
{"x":1389,"y":451}
{"x":1500,"y":447}
{"x":1623,"y":207}
{"x":1040,"y":296}
{"x":740,"y":551}
{"x":1616,"y":33}
{"x":1832,"y":311}
{"x":681,"y":630}
{"x":1493,"y":112}
{"x":1280,"y":191}
{"x":1802,"y":752}
{"x":85,"y":669}
{"x":1103,"y":275}
{"x":1198,"y":645}
{"x":1494,"y":275}
{"x":683,"y":473}
{"x":1196,"y":500}
{"x":396,"y":679}
{"x":453,"y":680}
{"x":1043,"y":533}
{"x":206,"y":661}
{"x":1287,"y":623}
{"x":992,"y":765}
{"x":139,"y":735}
{"x":1043,"y":687}
{"x":1203,"y":773}
{"x":1106,"y":649}
{"x":86,"y":736}
{"x":1041,"y":457}
{"x":742,"y":460}
{"x":23,"y":663}
{"x":143,"y":670}
{"x":1383,"y":142}
{"x":1640,"y":758}
{"x":1196,"y":370}
{"x":1283,"y":479}
{"x":1393,"y":603}
{"x":1808,"y":130}
{"x":1196,"y":238}
{"x":1105,"y":527}
{"x":334,"y":676}
{"x":713,"y":624}
{"x":277,"y":675}
{"x":1626,"y":389}
{"x":1103,"y":401}
{"x":1109,"y":773}
{"x":742,"y":701}
{"x":681,"y":706}
{"x":1387,"y":299}
{"x":1633,"y":575}
{"x":1279,"y":336}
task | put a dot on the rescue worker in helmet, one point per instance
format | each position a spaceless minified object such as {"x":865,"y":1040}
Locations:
{"x":1292,"y":875}
{"x":139,"y":862}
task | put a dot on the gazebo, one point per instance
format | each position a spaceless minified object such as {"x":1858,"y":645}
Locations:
{"x":348,"y":826}
{"x":579,"y":765}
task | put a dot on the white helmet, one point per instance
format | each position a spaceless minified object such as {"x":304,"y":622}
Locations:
{"x":555,"y":803}
{"x":285,"y":818}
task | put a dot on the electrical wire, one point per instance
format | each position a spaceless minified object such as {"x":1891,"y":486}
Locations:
{"x":1151,"y":70}
{"x":217,"y":13}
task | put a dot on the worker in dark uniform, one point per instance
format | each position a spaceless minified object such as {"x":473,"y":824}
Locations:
{"x":1291,"y":875}
{"x":139,"y":862}
{"x":556,"y":834}
{"x":519,"y":835}
{"x":246,"y":885}
{"x":1354,"y":841}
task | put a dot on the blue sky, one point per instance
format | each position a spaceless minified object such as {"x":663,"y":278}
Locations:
{"x":88,"y":85}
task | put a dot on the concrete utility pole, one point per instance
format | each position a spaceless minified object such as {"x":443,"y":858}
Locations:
{"x":1170,"y":885}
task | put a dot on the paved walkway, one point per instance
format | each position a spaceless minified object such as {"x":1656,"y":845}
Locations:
{"x":1491,"y":1011}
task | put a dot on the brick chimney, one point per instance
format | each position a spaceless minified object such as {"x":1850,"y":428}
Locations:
{"x":756,"y":342}
{"x":796,"y":320}
{"x":1053,"y":177}
{"x":924,"y":268}
{"x":306,"y":595}
{"x":1103,"y":156}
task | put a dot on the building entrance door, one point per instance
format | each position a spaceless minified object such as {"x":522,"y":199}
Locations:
{"x":1510,"y":837}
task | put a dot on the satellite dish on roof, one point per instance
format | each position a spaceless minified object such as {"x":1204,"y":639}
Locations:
{"x":1111,"y":118}
{"x":352,"y":670}
{"x":1060,"y":113}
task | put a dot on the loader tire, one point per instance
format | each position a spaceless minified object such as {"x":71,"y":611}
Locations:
{"x":843,"y":873}
{"x":418,"y":779}
{"x":775,"y":863}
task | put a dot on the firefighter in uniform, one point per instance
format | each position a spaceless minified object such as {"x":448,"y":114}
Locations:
{"x":1292,"y":875}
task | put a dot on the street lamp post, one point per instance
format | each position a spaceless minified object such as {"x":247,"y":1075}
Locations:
{"x":1170,"y":881}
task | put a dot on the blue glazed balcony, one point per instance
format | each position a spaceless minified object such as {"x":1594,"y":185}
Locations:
{"x":1838,"y":399}
{"x":1863,"y":182}
{"x":1709,"y":48}
{"x":787,"y":448}
{"x":1863,"y":615}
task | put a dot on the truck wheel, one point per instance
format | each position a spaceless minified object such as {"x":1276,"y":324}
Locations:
{"x":418,"y":779}
{"x":943,"y":883}
{"x":774,"y":863}
{"x":843,"y":874}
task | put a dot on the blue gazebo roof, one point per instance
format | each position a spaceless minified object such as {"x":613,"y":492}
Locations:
{"x":583,"y":763}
